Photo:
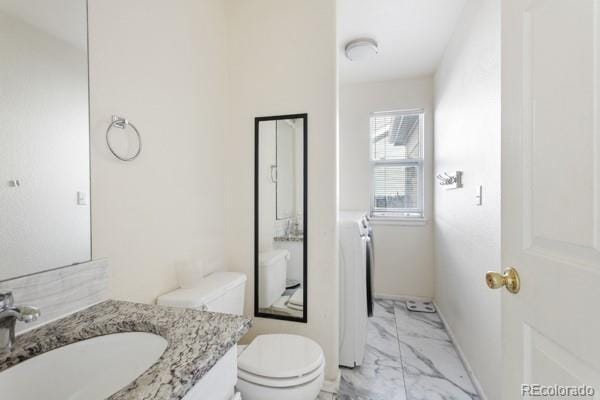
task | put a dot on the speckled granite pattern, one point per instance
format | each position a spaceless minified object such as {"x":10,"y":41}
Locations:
{"x":292,"y":238}
{"x":197,"y":340}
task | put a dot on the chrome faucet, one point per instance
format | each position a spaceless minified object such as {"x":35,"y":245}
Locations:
{"x":9,"y":315}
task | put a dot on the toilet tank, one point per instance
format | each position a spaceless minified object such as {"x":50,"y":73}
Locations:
{"x":271,"y":276}
{"x":218,"y":292}
{"x":274,"y":258}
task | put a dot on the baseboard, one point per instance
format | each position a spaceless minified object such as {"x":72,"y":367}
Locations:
{"x":461,"y":354}
{"x":332,"y":386}
{"x":400,"y":297}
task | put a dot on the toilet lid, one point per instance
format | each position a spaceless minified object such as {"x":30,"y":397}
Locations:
{"x":281,"y":356}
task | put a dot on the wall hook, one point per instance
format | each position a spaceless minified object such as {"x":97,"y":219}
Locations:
{"x":451,"y":180}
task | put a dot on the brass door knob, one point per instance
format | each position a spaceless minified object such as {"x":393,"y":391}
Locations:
{"x":509,"y":279}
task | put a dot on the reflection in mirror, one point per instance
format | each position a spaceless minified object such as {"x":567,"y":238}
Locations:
{"x":280,"y":225}
{"x":44,"y":136}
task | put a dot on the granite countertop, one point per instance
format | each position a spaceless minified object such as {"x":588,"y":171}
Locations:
{"x":290,"y":238}
{"x":196,"y":341}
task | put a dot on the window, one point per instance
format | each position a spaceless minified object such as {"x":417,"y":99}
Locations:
{"x":396,"y":155}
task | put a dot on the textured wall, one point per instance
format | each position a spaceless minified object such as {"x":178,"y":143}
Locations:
{"x":404,"y":252}
{"x":163,"y":67}
{"x":282,"y":57}
{"x":467,"y":237}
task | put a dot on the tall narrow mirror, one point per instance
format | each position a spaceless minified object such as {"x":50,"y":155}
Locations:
{"x":44,"y":136}
{"x":280,"y":217}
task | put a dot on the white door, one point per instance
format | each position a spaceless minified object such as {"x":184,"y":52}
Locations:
{"x":551,"y":193}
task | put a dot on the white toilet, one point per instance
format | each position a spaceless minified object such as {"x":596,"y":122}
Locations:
{"x":280,"y":367}
{"x":272,"y":276}
{"x":271,"y":367}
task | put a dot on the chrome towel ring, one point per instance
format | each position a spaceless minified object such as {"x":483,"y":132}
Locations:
{"x":122,"y":123}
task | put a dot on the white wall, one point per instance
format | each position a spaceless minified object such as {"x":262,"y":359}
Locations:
{"x":162,"y":65}
{"x":282,"y":60}
{"x":266,"y":187}
{"x":404,"y":254}
{"x":286,"y":170}
{"x":467,"y":237}
{"x":43,"y":135}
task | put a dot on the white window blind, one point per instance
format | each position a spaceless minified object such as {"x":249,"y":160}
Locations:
{"x":397,"y":163}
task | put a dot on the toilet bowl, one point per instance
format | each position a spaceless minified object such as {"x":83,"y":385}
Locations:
{"x":280,"y":367}
{"x":271,"y":367}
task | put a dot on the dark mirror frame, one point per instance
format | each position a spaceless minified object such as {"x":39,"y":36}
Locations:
{"x":257,"y":122}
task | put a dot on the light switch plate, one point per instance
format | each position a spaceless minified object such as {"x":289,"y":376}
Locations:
{"x":82,"y":199}
{"x":479,"y":196}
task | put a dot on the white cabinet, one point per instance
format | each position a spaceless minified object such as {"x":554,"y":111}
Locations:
{"x":219,"y":382}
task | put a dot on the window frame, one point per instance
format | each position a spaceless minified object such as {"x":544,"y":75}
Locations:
{"x":410,"y":214}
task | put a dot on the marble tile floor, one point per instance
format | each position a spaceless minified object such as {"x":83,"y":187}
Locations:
{"x":280,"y":307}
{"x":327,"y":396}
{"x":409,"y":356}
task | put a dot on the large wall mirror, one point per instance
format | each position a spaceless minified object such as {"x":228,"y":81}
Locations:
{"x":280,"y":217}
{"x":44,"y":136}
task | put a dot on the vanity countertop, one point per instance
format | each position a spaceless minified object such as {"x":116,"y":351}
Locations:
{"x":196,"y":341}
{"x":290,"y":238}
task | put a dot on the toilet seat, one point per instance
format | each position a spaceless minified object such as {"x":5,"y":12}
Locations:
{"x":281,"y":361}
{"x":281,"y":382}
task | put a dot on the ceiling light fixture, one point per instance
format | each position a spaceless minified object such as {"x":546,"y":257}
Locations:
{"x":360,"y":49}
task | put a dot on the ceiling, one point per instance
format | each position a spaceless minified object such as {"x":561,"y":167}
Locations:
{"x":412,"y":36}
{"x":63,"y":19}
